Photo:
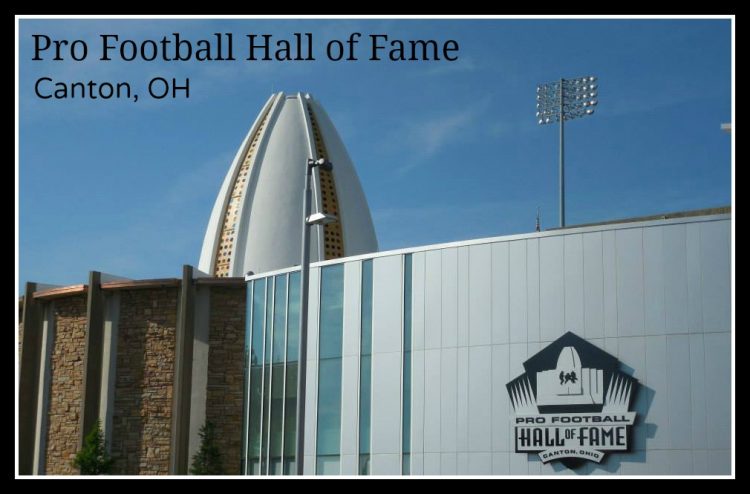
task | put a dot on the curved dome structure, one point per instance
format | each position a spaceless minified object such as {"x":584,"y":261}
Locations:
{"x":256,"y":222}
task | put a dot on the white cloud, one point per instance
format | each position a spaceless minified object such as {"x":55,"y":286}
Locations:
{"x":424,"y":139}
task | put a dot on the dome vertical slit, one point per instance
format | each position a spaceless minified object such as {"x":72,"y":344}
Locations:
{"x":227,"y":237}
{"x":332,"y":232}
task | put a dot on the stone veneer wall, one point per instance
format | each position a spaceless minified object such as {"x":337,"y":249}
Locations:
{"x":20,"y":331}
{"x":226,"y":372}
{"x":66,"y":385}
{"x":141,"y":423}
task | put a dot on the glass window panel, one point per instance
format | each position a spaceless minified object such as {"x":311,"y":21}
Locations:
{"x":269,"y":320}
{"x":329,"y":407}
{"x":264,"y":422}
{"x":292,"y":357}
{"x":254,"y":467}
{"x":366,"y":307}
{"x":275,"y":467}
{"x":290,"y":412}
{"x":365,"y":390}
{"x":246,"y":377}
{"x":328,"y":465}
{"x":407,"y":302}
{"x":329,"y":370}
{"x":331,"y":311}
{"x":365,"y":368}
{"x":292,"y":321}
{"x":266,"y":377}
{"x":406,"y":434}
{"x":259,"y":301}
{"x":277,"y":411}
{"x":279,"y":319}
{"x":364,"y":464}
{"x":290,"y":466}
{"x":256,"y":375}
{"x":256,"y":384}
{"x":406,"y":385}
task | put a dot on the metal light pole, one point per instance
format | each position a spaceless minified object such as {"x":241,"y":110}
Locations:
{"x":307,"y":221}
{"x":563,"y":100}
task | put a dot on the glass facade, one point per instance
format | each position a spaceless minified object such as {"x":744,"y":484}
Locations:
{"x":271,"y":380}
{"x":331,"y":332}
{"x":256,"y":375}
{"x":365,"y":369}
{"x":406,"y":398}
{"x":278,"y":351}
{"x":272,"y":355}
{"x":292,"y":358}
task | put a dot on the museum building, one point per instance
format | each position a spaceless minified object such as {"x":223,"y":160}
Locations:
{"x":591,"y":349}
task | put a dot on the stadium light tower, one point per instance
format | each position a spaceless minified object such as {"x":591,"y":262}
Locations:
{"x":563,"y":100}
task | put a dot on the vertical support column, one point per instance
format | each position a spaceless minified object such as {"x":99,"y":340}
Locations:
{"x":199,"y":384}
{"x":43,"y":388}
{"x":109,"y":364}
{"x":29,"y":361}
{"x":182,"y":375}
{"x":92,"y":359}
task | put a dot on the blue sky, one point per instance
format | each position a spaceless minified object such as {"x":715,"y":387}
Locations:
{"x":445,"y":151}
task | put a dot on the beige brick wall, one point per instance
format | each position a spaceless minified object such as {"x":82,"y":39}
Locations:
{"x":66,"y":385}
{"x":141,"y":423}
{"x":225,"y":372}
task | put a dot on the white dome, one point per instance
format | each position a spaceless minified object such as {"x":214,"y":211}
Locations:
{"x":256,"y":222}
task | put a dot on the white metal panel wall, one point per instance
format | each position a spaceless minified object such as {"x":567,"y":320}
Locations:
{"x":653,"y":280}
{"x":387,"y":304}
{"x":715,"y":271}
{"x":418,"y":301}
{"x":350,"y":368}
{"x":675,"y":273}
{"x":462,"y":411}
{"x":417,"y":405}
{"x":573,"y":274}
{"x":386,"y":403}
{"x":449,"y":296}
{"x":480,"y":297}
{"x":463,"y":296}
{"x":480,"y":398}
{"x":349,"y":406}
{"x":311,"y":393}
{"x":352,"y":308}
{"x":695,"y":295}
{"x":431,"y":403}
{"x":593,"y":286}
{"x":718,"y":393}
{"x":499,"y":296}
{"x":629,"y":245}
{"x":433,"y":299}
{"x":532,"y":285}
{"x":678,"y":383}
{"x":551,"y":287}
{"x":448,"y":400}
{"x":387,"y":358}
{"x":655,"y":296}
{"x":501,"y":407}
{"x":517,"y":277}
{"x":609,"y":270}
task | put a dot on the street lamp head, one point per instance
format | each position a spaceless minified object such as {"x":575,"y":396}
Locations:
{"x":321,"y":219}
{"x":321,"y":163}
